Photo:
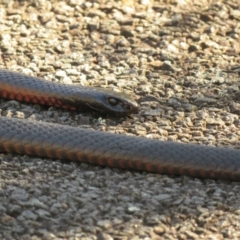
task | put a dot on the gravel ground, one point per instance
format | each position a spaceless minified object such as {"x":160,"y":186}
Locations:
{"x":180,"y":60}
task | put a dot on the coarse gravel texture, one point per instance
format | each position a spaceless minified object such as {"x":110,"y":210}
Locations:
{"x":180,"y":60}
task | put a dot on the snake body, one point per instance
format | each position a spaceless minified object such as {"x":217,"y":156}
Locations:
{"x":106,"y":149}
{"x":29,"y":89}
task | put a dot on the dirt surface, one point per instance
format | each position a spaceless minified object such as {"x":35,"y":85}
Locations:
{"x":179,"y":60}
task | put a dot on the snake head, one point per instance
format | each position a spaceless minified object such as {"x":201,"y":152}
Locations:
{"x":107,"y":101}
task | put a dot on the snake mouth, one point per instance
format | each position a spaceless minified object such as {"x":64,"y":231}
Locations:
{"x":95,"y":109}
{"x":121,"y":109}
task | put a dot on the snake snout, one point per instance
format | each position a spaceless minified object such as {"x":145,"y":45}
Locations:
{"x":133,"y":108}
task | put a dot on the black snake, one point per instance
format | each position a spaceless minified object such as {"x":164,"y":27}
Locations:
{"x":106,"y":149}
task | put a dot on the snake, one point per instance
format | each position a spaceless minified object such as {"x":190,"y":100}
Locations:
{"x":57,"y":141}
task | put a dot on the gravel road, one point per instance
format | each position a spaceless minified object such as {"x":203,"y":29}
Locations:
{"x":180,"y":60}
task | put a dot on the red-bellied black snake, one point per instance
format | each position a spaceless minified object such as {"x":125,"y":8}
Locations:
{"x":114,"y":150}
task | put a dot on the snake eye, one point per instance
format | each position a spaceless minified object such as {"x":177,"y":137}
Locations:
{"x":113,"y":101}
